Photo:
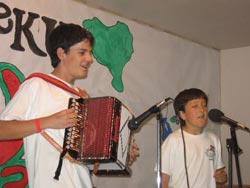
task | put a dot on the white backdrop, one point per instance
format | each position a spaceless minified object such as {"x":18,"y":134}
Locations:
{"x":235,"y":89}
{"x":160,"y":67}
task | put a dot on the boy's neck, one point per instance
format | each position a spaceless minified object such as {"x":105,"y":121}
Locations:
{"x":63,"y":76}
{"x":192,"y":131}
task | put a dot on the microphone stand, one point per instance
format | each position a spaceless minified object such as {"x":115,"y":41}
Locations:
{"x":135,"y":122}
{"x":159,"y":125}
{"x":233,"y":147}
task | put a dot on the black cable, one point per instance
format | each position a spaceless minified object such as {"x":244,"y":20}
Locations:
{"x":185,"y":157}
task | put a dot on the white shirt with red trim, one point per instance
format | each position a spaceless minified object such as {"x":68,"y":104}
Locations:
{"x":37,"y":98}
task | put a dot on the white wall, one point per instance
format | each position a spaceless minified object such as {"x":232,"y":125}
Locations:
{"x":235,"y":102}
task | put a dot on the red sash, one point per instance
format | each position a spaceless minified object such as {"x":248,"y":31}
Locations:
{"x":60,"y":84}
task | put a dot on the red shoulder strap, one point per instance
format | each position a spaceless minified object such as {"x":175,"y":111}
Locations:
{"x":58,"y":83}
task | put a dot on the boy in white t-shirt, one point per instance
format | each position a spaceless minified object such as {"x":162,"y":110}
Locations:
{"x":191,"y":156}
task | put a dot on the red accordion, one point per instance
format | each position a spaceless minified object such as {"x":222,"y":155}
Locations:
{"x":101,"y":134}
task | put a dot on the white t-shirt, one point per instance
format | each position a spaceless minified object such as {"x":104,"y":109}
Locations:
{"x":203,"y":155}
{"x":38,"y":98}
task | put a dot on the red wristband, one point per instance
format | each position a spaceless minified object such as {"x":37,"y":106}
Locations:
{"x":38,"y":127}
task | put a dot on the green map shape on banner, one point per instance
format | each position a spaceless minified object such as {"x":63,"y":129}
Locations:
{"x":113,"y":47}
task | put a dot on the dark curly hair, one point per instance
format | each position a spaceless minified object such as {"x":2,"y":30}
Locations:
{"x":184,"y":97}
{"x":64,"y":36}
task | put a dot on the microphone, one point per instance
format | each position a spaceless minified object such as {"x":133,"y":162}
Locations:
{"x":134,"y":123}
{"x":218,"y":116}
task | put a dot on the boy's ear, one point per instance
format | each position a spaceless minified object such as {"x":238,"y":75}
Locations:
{"x":182,"y":115}
{"x":60,"y":53}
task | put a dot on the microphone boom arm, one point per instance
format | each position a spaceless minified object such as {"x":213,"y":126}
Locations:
{"x":134,"y":123}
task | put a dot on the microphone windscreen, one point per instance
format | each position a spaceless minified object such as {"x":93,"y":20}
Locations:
{"x":215,"y":115}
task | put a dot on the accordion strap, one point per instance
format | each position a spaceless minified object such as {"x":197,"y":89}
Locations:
{"x":63,"y":154}
{"x":58,"y":147}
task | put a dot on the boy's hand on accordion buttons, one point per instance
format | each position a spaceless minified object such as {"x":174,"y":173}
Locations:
{"x":63,"y":119}
{"x":134,"y":152}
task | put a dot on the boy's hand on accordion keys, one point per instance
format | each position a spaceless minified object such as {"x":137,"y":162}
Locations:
{"x":134,"y":152}
{"x":63,"y":119}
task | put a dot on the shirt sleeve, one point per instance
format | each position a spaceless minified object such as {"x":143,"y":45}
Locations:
{"x":218,"y":163}
{"x":167,"y":156}
{"x":20,"y":106}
